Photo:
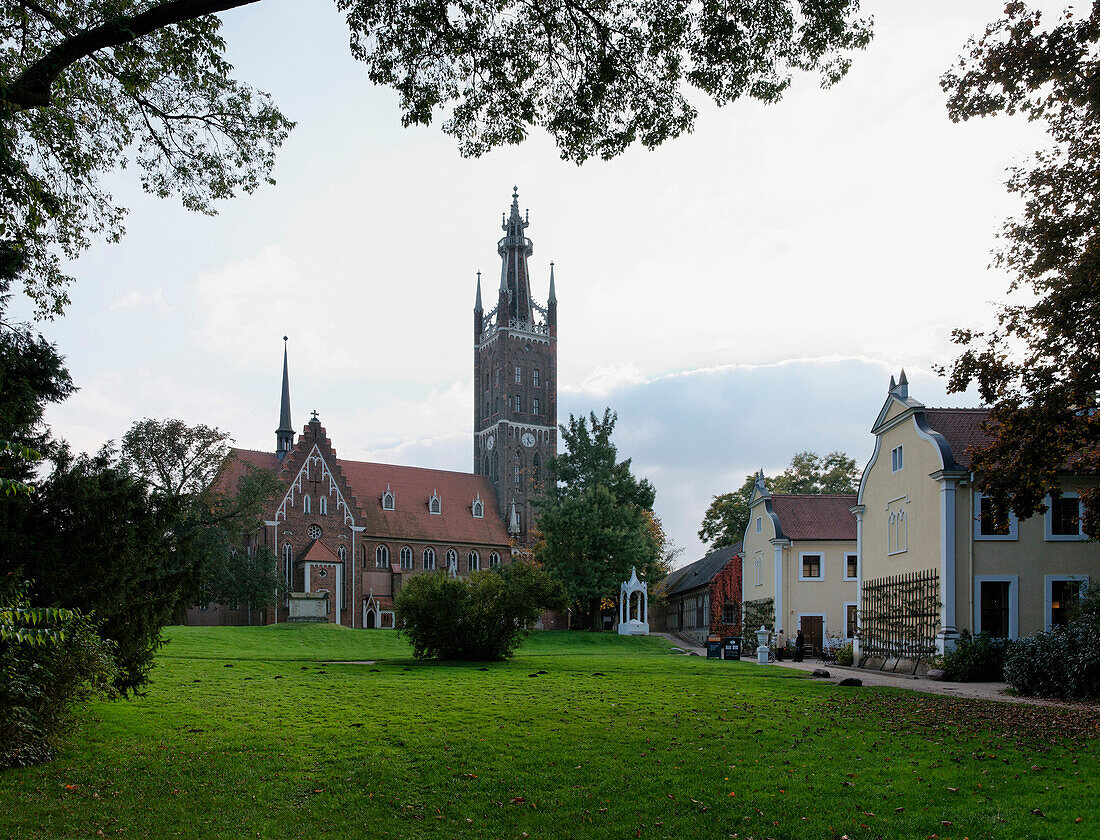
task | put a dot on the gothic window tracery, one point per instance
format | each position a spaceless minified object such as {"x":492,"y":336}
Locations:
{"x":473,"y":561}
{"x":381,"y":556}
{"x":429,"y":558}
{"x":406,"y":557}
{"x":306,"y":504}
{"x":494,"y":559}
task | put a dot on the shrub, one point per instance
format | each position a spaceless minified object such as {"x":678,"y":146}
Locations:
{"x":484,"y":616}
{"x":43,"y":679}
{"x":1060,"y":663}
{"x":845,"y":654}
{"x":978,"y":658}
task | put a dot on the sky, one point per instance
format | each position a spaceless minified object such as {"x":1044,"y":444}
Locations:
{"x":737,"y":295}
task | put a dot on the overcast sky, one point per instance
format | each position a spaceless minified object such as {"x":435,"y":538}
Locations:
{"x":737,"y":295}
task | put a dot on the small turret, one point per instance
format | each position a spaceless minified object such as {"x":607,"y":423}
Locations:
{"x":513,"y":521}
{"x":479,"y":312}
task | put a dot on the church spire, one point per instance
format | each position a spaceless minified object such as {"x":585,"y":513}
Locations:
{"x":553,"y":298}
{"x":284,"y":435}
{"x":515,"y":280}
{"x":477,"y":300}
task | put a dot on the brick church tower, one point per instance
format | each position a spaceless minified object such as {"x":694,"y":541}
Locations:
{"x":516,"y":382}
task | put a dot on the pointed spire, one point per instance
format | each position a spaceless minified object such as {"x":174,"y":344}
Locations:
{"x":513,"y":520}
{"x":553,"y":298}
{"x":903,"y":386}
{"x":515,"y":281}
{"x":904,"y":379}
{"x":284,"y":435}
{"x":893,"y":383}
{"x":477,"y":301}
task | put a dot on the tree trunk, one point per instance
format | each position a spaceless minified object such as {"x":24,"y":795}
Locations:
{"x":597,"y":616}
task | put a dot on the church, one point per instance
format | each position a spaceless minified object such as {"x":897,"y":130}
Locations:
{"x":347,"y":533}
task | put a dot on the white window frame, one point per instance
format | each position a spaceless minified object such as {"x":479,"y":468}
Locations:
{"x":306,"y":505}
{"x":473,"y":561}
{"x":1048,"y":521}
{"x":848,"y":554}
{"x":821,"y":566}
{"x":535,"y":405}
{"x":897,"y":526}
{"x":452,"y":555}
{"x":406,"y":555}
{"x":535,"y":377}
{"x":429,"y":558}
{"x":1048,"y":594}
{"x":1013,"y":601}
{"x":435,"y":505}
{"x":518,"y":376}
{"x":388,"y":500}
{"x":1013,"y":523}
{"x":844,"y":618}
{"x":382,"y":557}
{"x":322,"y":506}
{"x":758,"y":526}
{"x":897,"y":458}
{"x":478,"y":508}
{"x":342,"y":552}
{"x":494,"y":559}
{"x":517,"y":403}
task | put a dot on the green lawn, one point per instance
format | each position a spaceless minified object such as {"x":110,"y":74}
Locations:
{"x":246,"y":732}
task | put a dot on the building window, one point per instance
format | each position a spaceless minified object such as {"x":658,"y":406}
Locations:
{"x":850,"y":614}
{"x":535,"y":405}
{"x":991,"y":523}
{"x":342,"y":553}
{"x":288,"y":553}
{"x":517,"y":470}
{"x":322,"y":506}
{"x":517,"y":403}
{"x":473,"y":561}
{"x":728,"y":616}
{"x":519,"y":375}
{"x":811,"y":567}
{"x":1061,"y":592}
{"x":406,"y":557}
{"x":758,"y":569}
{"x":479,"y":508}
{"x":322,"y":573}
{"x":851,"y":566}
{"x":1063,"y":518}
{"x":897,"y":530}
{"x":452,"y":559}
{"x":494,"y":559}
{"x":429,"y":558}
{"x":758,"y":524}
{"x":995,"y":608}
{"x":314,"y":532}
{"x":896,"y":458}
{"x":387,"y":499}
{"x":305,"y":504}
{"x":381,"y":557}
{"x":435,"y":506}
{"x":535,"y":377}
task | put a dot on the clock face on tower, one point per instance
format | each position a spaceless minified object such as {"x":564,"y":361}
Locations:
{"x":528,"y":439}
{"x":489,"y":443}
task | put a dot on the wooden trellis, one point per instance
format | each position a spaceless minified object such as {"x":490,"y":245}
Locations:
{"x":757,"y":613}
{"x":899,"y":617}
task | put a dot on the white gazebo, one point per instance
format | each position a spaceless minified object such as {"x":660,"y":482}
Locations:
{"x":633,"y":612}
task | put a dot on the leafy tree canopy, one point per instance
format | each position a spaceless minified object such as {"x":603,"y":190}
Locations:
{"x":90,"y":85}
{"x":1039,"y":368}
{"x":594,"y":522}
{"x":728,"y":514}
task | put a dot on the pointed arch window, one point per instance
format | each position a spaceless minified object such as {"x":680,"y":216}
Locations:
{"x":429,"y":558}
{"x":517,"y":469}
{"x":406,"y":557}
{"x":306,"y":504}
{"x":435,"y":505}
{"x":388,"y":499}
{"x":322,"y":506}
{"x":288,"y":553}
{"x":381,"y":557}
{"x":473,"y":561}
{"x":478,"y":508}
{"x":342,"y":553}
{"x":494,"y":559}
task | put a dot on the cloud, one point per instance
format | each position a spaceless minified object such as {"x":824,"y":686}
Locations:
{"x":134,"y":299}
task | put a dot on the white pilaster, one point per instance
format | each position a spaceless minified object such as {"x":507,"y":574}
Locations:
{"x":780,"y":607}
{"x":948,"y":634}
{"x":858,"y":510}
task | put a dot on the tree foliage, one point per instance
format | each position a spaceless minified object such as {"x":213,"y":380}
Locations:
{"x":90,"y":85}
{"x":727,"y":515}
{"x":1039,"y":368}
{"x":594,"y":522}
{"x":484,"y":616}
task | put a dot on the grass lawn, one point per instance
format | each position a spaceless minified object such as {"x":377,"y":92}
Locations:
{"x":247,"y":732}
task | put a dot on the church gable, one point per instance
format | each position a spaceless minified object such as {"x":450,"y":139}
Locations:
{"x":316,"y":484}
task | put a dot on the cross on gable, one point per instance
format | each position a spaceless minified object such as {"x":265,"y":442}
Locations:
{"x":313,"y":414}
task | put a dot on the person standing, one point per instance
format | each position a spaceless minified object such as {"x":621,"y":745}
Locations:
{"x":799,"y":646}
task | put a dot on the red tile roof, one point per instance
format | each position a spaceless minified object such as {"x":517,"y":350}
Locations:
{"x":961,"y":427}
{"x":318,"y":552}
{"x":412,"y":487}
{"x":809,"y":517}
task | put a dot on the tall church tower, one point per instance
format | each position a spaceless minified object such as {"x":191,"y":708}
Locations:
{"x":516,"y":381}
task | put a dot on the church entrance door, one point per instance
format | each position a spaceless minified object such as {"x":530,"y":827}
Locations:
{"x":370,"y":620}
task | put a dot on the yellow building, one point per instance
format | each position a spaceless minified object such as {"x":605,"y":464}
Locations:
{"x":931,"y":561}
{"x":800,"y":558}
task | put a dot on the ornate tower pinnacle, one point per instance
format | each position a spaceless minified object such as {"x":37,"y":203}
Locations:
{"x":284,"y":435}
{"x":515,"y":281}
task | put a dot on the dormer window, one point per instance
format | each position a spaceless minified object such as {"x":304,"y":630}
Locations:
{"x":478,"y":508}
{"x":435,"y":506}
{"x":387,"y":499}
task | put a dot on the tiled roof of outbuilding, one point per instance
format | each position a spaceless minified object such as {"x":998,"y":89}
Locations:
{"x":815,"y":517}
{"x":961,"y":427}
{"x":701,"y":572}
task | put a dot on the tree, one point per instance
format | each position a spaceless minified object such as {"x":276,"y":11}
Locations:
{"x":85,"y":83}
{"x":182,"y":464}
{"x":1039,"y":368}
{"x":728,"y":514}
{"x":593,"y":521}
